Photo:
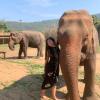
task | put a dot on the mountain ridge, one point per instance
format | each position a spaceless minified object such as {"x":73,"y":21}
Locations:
{"x":34,"y":26}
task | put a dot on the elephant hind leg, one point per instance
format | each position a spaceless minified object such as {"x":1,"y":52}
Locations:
{"x":89,"y":67}
{"x":25,"y":52}
{"x":40,"y":51}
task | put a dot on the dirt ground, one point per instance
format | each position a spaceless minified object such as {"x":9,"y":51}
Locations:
{"x":11,"y":73}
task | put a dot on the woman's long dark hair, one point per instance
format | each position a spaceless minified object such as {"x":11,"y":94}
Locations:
{"x":47,"y":47}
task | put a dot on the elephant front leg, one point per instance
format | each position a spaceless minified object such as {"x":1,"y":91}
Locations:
{"x":89,"y":66}
{"x":20,"y":53}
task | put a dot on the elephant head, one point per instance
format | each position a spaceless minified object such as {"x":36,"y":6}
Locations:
{"x":14,"y":39}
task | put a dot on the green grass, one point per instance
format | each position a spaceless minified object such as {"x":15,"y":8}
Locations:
{"x":32,"y":68}
{"x":98,"y":49}
{"x":35,"y":69}
{"x":98,"y":79}
{"x":5,"y":46}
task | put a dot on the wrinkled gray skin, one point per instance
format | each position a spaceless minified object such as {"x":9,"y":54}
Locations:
{"x":77,"y":39}
{"x":27,"y":39}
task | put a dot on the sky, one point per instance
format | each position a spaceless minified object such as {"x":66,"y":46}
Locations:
{"x":38,"y":10}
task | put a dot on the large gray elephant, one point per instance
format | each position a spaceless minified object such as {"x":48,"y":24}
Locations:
{"x":76,"y":36}
{"x":27,"y":39}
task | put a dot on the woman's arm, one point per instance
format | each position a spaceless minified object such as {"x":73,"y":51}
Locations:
{"x":47,"y":56}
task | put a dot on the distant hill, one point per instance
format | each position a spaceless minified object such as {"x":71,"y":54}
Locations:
{"x":34,"y":26}
{"x":98,"y":15}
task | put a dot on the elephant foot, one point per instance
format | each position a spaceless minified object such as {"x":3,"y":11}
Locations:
{"x":68,"y":97}
{"x":82,"y":80}
{"x":25,"y":57}
{"x":41,"y":55}
{"x":19,"y":57}
{"x":37,"y":57}
{"x":90,"y":98}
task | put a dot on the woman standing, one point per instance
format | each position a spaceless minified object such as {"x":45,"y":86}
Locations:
{"x":51,"y":68}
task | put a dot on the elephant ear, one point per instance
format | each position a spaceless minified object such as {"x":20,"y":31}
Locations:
{"x":20,"y":36}
{"x":11,"y":34}
{"x":95,"y":37}
{"x":89,"y":30}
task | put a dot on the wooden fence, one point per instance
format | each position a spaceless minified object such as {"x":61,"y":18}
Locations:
{"x":4,"y":39}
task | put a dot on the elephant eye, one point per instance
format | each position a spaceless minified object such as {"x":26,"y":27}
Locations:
{"x":70,"y":21}
{"x":79,"y":22}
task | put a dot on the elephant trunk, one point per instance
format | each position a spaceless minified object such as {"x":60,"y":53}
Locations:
{"x":69,"y":69}
{"x":11,"y":45}
{"x":70,"y":53}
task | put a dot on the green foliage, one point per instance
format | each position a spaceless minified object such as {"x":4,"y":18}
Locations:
{"x":3,"y":27}
{"x":98,"y":49}
{"x":95,"y":20}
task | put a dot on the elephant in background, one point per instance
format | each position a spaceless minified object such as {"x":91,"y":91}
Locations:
{"x":27,"y":39}
{"x":76,"y":37}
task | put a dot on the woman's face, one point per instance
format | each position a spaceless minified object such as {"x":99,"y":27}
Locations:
{"x":50,"y":43}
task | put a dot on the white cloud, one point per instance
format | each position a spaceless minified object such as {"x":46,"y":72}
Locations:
{"x":42,"y":3}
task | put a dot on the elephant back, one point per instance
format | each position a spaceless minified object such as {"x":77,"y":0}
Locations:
{"x":35,"y":38}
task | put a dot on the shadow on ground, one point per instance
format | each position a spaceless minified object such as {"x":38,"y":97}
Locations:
{"x":21,"y":89}
{"x":29,"y":57}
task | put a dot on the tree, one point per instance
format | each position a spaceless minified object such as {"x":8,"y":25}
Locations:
{"x":95,"y":20}
{"x":3,"y":27}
